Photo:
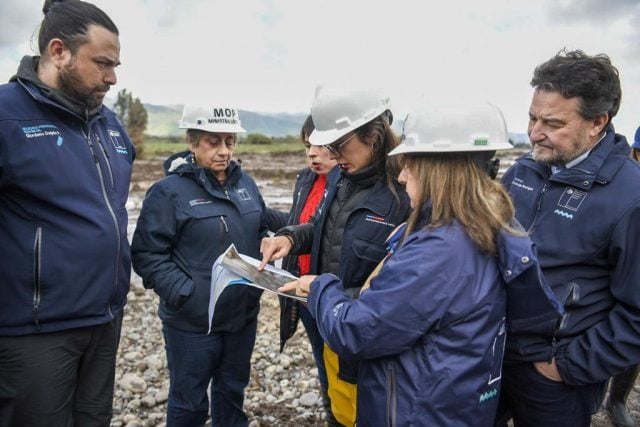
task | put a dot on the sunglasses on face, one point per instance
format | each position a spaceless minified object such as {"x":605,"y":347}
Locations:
{"x":335,"y":148}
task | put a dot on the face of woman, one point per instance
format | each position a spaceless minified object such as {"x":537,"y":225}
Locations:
{"x":410,"y":182}
{"x":213,"y":151}
{"x":351,"y":153}
{"x":318,"y":158}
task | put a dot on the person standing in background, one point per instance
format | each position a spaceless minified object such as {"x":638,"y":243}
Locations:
{"x":308,"y":193}
{"x":622,"y":384}
{"x":65,"y":168}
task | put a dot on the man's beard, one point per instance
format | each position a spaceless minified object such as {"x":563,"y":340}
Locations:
{"x":72,"y":85}
{"x":579,"y":146}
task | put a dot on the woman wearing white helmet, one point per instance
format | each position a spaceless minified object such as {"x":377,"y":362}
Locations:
{"x":363,"y":203}
{"x":187,"y":220}
{"x":429,"y":331}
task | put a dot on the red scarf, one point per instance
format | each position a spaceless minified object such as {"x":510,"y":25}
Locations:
{"x":308,"y":210}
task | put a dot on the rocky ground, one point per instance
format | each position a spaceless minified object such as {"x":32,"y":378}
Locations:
{"x":283,"y":390}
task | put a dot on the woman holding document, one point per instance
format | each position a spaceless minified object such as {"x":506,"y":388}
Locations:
{"x":187,"y":220}
{"x":363,"y":203}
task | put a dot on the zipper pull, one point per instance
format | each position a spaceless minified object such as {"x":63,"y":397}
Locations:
{"x":226,"y":193}
{"x":226,"y":228}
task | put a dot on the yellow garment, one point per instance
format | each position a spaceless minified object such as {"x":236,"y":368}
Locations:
{"x":344,"y":395}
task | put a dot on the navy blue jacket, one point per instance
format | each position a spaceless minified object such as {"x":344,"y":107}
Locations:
{"x":430,"y":331}
{"x":187,"y":220}
{"x":365,"y":233}
{"x":64,"y":181}
{"x":585,"y":222}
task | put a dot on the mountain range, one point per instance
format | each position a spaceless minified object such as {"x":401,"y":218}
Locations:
{"x":163,"y":121}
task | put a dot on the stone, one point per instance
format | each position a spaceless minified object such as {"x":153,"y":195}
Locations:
{"x":133,"y":383}
{"x":309,"y":399}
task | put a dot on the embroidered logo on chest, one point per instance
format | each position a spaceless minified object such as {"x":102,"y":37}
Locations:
{"x":118,"y":142}
{"x":572,"y":199}
{"x":243,"y":194}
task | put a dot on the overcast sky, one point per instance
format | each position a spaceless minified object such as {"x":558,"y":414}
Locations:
{"x":268,"y":55}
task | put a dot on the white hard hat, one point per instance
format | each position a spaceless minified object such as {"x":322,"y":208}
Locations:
{"x":472,"y":128}
{"x":211,"y":119}
{"x":337,"y":112}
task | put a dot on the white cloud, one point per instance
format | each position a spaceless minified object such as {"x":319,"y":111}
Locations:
{"x":268,"y":55}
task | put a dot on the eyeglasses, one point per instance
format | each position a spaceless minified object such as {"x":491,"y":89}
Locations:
{"x":335,"y":148}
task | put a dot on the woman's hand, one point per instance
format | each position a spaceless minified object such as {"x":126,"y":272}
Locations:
{"x":300,"y":286}
{"x":273,"y":248}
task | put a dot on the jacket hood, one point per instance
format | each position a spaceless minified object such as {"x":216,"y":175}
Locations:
{"x":27,"y":73}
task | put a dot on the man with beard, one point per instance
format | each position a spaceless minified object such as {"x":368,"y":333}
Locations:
{"x":577,"y":194}
{"x":65,"y":167}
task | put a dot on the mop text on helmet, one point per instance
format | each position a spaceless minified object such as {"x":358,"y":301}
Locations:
{"x":221,"y":119}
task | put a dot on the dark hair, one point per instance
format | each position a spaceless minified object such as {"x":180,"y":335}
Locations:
{"x":379,"y":136}
{"x":307,"y":127}
{"x":69,"y":20}
{"x":592,"y":79}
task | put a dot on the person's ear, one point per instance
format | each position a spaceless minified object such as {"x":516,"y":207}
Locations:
{"x":598,"y":124}
{"x":58,"y":53}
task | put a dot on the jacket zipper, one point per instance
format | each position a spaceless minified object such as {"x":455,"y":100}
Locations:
{"x":111,"y":212}
{"x":106,"y":159}
{"x":223,"y":223}
{"x":543,"y":191}
{"x":37,"y":270}
{"x":391,"y":397}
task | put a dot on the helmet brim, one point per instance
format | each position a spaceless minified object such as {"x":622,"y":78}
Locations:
{"x":404,"y":148}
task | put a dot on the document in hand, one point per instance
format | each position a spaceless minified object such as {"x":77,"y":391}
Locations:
{"x":233,"y":268}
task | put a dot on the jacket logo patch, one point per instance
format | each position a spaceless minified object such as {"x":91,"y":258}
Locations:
{"x":563,"y":213}
{"x":243,"y":194}
{"x":43,"y":130}
{"x":572,"y":199}
{"x":118,"y":142}
{"x":196,"y":202}
{"x":378,"y":220}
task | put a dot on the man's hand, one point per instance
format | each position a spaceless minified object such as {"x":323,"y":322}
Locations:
{"x":301,"y":286}
{"x":548,"y":370}
{"x":273,"y":248}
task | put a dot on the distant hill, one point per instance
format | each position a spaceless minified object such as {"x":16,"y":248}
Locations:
{"x":163,"y":121}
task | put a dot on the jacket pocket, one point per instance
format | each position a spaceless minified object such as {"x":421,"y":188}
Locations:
{"x":369,"y":251}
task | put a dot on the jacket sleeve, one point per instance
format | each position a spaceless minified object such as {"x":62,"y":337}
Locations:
{"x":405,"y":292}
{"x":275,"y":219}
{"x":611,"y":346}
{"x":302,"y":236}
{"x":152,"y":249}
